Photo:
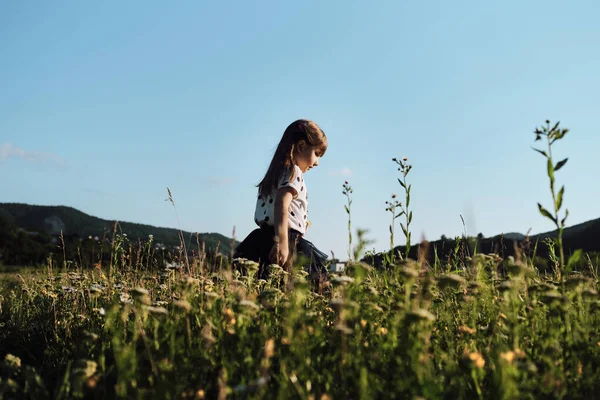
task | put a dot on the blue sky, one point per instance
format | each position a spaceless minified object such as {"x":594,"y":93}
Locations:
{"x":106,"y":104}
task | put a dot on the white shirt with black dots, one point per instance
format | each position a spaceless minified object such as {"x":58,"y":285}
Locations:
{"x":298,"y":211}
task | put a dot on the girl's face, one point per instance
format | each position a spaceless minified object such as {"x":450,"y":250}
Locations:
{"x":307,"y":156}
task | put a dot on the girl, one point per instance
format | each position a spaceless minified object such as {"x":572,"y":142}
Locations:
{"x":282,"y":204}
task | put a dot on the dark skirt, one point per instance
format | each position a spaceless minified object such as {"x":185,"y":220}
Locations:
{"x":258,"y":244}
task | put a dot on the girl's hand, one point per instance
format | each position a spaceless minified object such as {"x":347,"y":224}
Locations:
{"x":279,"y":253}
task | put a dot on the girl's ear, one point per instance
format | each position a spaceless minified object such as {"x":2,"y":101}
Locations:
{"x":300,"y":146}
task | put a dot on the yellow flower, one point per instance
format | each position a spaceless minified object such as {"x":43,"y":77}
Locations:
{"x":12,"y":361}
{"x":466,"y":329}
{"x":477,"y":359}
{"x":519,"y":353}
{"x":363,"y":323}
{"x":269,"y":348}
{"x":509,"y":356}
{"x":229,"y":316}
{"x":383,"y":331}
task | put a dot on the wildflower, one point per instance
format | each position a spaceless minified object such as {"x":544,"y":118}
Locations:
{"x":91,"y":335}
{"x":249,"y":304}
{"x":589,"y":294}
{"x":466,"y":329}
{"x":420,"y":315}
{"x":85,"y":368}
{"x":477,"y":359}
{"x":192,"y":281}
{"x":141,"y":295}
{"x":508,"y":356}
{"x":200,"y":394}
{"x":344,"y":279}
{"x":363,"y":323}
{"x":269,"y":348}
{"x":342,"y":327}
{"x":68,"y":289}
{"x":183,"y":305}
{"x":157,"y":310}
{"x":519,"y":269}
{"x":12,"y":361}
{"x":408,"y":272}
{"x":95,"y":289}
{"x":550,"y":296}
{"x":451,"y":281}
{"x":505,"y":286}
{"x":207,"y":334}
{"x":383,"y":331}
{"x":575,"y":281}
{"x":229,"y":316}
{"x":519,"y":353}
{"x":275,"y":269}
{"x":139,"y":292}
{"x":100,"y":311}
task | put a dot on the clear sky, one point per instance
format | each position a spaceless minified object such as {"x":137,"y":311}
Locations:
{"x":103,"y":105}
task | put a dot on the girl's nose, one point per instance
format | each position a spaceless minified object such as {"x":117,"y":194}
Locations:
{"x":316,"y":162}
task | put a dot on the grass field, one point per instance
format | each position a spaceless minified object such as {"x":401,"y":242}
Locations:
{"x":399,"y":333}
{"x":474,"y":326}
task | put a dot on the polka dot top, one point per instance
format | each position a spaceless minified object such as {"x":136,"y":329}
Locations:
{"x":298,"y":211}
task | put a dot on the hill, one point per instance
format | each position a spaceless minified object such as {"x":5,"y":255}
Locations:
{"x":72,"y":222}
{"x":584,"y":236}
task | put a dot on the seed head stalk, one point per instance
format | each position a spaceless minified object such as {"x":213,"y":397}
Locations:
{"x":405,"y":168}
{"x":347,"y":191}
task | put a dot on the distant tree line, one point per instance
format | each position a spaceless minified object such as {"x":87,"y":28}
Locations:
{"x":19,"y":247}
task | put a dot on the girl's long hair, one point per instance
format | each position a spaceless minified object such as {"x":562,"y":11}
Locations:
{"x":283,"y":159}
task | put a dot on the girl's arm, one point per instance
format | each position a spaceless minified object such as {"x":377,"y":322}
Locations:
{"x":283,"y":200}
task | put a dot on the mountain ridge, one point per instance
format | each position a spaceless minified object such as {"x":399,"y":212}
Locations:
{"x":71,"y":221}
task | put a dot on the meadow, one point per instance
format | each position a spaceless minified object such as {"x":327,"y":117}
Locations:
{"x":470,"y":326}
